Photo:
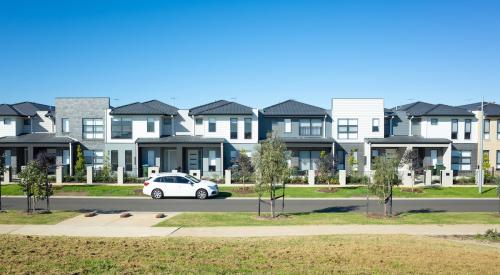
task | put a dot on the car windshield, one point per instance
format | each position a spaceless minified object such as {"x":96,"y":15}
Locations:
{"x":193,"y":179}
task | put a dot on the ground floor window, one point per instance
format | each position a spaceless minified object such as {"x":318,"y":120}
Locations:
{"x":114,"y":160}
{"x":308,"y":160}
{"x":341,"y":160}
{"x":128,"y":160}
{"x":65,"y":159}
{"x":94,"y":158}
{"x":7,"y":155}
{"x":461,"y":160}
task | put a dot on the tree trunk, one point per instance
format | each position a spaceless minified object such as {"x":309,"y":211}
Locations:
{"x":47,"y":191}
{"x":385,"y":209}
{"x":258,"y":205}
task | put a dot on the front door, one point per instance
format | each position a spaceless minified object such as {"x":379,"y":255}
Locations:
{"x":171,"y":160}
{"x":434,"y":157}
{"x":193,"y":159}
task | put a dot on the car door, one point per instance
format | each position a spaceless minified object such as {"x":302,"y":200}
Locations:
{"x":186,"y":189}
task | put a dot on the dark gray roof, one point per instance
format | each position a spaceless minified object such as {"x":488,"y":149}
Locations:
{"x":180,"y":139}
{"x":490,"y":108}
{"x":426,"y":109}
{"x":407,"y":140}
{"x":36,"y":138}
{"x":153,"y":107}
{"x":221,"y":107}
{"x":293,"y":108}
{"x":24,"y":109}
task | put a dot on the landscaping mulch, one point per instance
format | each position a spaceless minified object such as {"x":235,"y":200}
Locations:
{"x":328,"y":190}
{"x":243,"y":190}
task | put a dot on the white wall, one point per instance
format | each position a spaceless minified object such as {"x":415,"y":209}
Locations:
{"x":183,"y":123}
{"x":13,"y":129}
{"x":443,"y":128}
{"x":223,"y":127}
{"x":363,"y":109}
{"x":42,"y":124}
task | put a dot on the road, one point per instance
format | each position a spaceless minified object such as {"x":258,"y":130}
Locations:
{"x":245,"y":205}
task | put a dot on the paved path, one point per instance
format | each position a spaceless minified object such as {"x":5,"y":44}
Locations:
{"x":246,"y":205}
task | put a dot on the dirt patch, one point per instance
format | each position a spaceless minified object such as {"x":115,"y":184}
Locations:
{"x":328,"y":190}
{"x":381,"y":216}
{"x":243,"y":190}
{"x":409,"y":190}
{"x":75,"y":193}
{"x":138,"y":192}
{"x":269,"y":218}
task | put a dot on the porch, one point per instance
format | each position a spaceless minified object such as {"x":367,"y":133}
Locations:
{"x":305,"y":152}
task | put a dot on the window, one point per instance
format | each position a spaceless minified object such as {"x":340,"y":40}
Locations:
{"x":94,"y":158}
{"x":234,"y":155}
{"x":212,"y":125}
{"x":7,"y":121}
{"x":128,"y":160}
{"x":461,"y":160}
{"x":348,"y":128}
{"x":181,"y":180}
{"x":434,"y":121}
{"x":467,"y":129}
{"x":308,"y":160}
{"x":234,"y":128}
{"x":341,"y":160}
{"x":121,"y":128}
{"x":168,"y":179}
{"x":498,"y":160}
{"x":151,"y":125}
{"x":27,"y":122}
{"x":375,"y":125}
{"x":212,"y":161}
{"x":167,"y":124}
{"x":454,"y":128}
{"x":65,"y":158}
{"x":65,"y":125}
{"x":114,"y":160}
{"x":199,"y":121}
{"x":288,"y":125}
{"x":498,"y":129}
{"x":486,"y":129}
{"x":248,"y":128}
{"x":93,"y":128}
{"x":310,"y":127}
{"x":7,"y":158}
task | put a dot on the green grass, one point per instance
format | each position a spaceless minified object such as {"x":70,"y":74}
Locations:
{"x":251,"y":219}
{"x":291,"y":192}
{"x":21,"y":217}
{"x":339,"y":254}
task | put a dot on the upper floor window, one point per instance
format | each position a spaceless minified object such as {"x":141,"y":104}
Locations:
{"x":7,"y":121}
{"x":27,"y":122}
{"x":212,"y":125}
{"x":248,"y":128}
{"x":167,"y":123}
{"x":348,"y":128}
{"x":151,"y":125}
{"x":234,"y":128}
{"x":121,"y":128}
{"x":434,"y":121}
{"x":467,"y":129}
{"x":65,"y":125}
{"x":310,"y":127}
{"x":454,"y":128}
{"x":375,"y":125}
{"x":498,"y":159}
{"x":93,"y":128}
{"x":486,"y":129}
{"x":288,"y":125}
{"x":498,"y":129}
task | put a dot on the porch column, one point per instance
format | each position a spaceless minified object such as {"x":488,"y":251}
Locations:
{"x":368,"y":153}
{"x":447,"y":157}
{"x":222,"y":157}
{"x":70,"y":159}
{"x":30,"y":154}
{"x":135,"y":161}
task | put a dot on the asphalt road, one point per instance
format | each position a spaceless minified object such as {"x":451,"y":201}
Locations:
{"x":245,"y":205}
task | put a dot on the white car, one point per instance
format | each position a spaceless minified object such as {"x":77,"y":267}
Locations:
{"x":179,"y":185}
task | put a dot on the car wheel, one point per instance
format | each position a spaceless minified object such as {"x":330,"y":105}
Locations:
{"x":202,"y":194}
{"x":157,"y":194}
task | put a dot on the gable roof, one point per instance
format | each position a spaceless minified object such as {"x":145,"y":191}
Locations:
{"x":152,"y":107}
{"x":293,"y":108}
{"x":490,"y":108}
{"x":420,"y":108}
{"x":221,"y":107}
{"x":24,"y":109}
{"x":7,"y":110}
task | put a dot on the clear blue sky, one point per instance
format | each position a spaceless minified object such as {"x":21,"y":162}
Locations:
{"x":255,"y":52}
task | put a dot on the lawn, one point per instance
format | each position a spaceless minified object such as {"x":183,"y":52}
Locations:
{"x":292,"y":192}
{"x":21,"y":217}
{"x":283,"y":255}
{"x":251,"y":219}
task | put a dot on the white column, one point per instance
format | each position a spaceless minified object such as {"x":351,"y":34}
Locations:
{"x":119,"y":174}
{"x":59,"y":174}
{"x":342,"y":178}
{"x":311,"y":177}
{"x":447,"y":157}
{"x":89,"y":175}
{"x":227,"y":177}
{"x":71,"y":159}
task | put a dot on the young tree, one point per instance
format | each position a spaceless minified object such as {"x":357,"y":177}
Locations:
{"x":106,"y":169}
{"x":2,"y":170}
{"x":45,"y":161}
{"x":80,"y":163}
{"x":244,"y":168}
{"x":325,"y":167}
{"x":352,"y":161}
{"x":271,"y":168}
{"x":30,"y":178}
{"x":497,"y":181}
{"x":383,"y":180}
{"x":411,"y":160}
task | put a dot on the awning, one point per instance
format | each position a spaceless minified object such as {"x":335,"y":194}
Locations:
{"x":36,"y":139}
{"x":174,"y":140}
{"x":404,"y":141}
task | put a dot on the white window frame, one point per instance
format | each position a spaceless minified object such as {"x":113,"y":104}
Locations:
{"x":375,"y":123}
{"x":94,"y":134}
{"x":288,"y":125}
{"x":65,"y":125}
{"x":348,"y":123}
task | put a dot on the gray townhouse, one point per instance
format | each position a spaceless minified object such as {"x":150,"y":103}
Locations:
{"x":305,"y":129}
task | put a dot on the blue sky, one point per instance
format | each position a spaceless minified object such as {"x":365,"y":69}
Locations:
{"x":255,"y":52}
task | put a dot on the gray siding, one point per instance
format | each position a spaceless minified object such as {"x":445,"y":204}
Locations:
{"x":347,"y":147}
{"x":277,"y":125}
{"x":416,"y":127}
{"x":468,"y":147}
{"x":400,"y":124}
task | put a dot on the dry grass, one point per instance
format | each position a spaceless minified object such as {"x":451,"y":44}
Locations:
{"x":287,"y":255}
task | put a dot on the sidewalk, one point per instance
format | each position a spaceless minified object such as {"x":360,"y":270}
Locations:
{"x":140,"y":225}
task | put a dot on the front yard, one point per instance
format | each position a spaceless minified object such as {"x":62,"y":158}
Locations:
{"x":251,"y":219}
{"x":284,"y":255}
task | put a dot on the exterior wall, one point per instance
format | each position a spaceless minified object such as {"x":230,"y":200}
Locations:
{"x":492,"y":145}
{"x":277,"y":125}
{"x":347,"y":147}
{"x":139,"y":127}
{"x":468,"y":147}
{"x":364,"y":110}
{"x":121,"y":148}
{"x":232,"y":150}
{"x":400,"y":124}
{"x":183,"y":123}
{"x":13,"y":129}
{"x":42,"y":124}
{"x":443,"y":128}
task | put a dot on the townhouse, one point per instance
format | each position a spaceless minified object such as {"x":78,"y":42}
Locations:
{"x":491,"y":131}
{"x":305,"y":129}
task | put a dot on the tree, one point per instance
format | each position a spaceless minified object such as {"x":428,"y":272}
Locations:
{"x":243,"y":166}
{"x":2,"y":170}
{"x":80,"y":163}
{"x":411,"y":160}
{"x":30,"y":178}
{"x":45,"y":161}
{"x":325,"y":167}
{"x":352,"y":160}
{"x":271,"y":168}
{"x":497,"y":181}
{"x":106,"y":169}
{"x":383,"y":180}
{"x":486,"y":161}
